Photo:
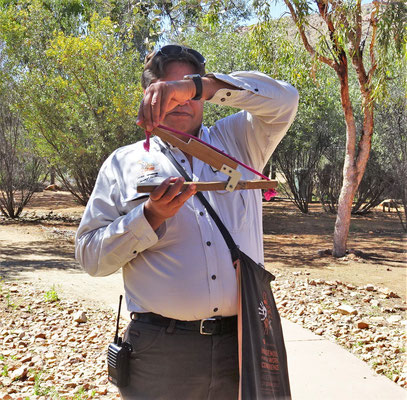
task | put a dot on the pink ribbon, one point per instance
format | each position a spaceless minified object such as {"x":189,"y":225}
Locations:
{"x":267,"y":195}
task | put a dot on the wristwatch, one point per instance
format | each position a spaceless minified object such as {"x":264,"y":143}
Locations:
{"x":198,"y":85}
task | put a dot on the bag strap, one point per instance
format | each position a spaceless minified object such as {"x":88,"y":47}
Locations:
{"x":223,"y":230}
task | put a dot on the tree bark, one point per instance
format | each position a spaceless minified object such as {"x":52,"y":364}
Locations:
{"x":349,"y":185}
{"x":354,"y":165}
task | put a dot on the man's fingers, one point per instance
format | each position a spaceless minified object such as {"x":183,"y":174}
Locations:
{"x":147,"y":111}
{"x":173,"y":190}
{"x":156,"y":109}
{"x":159,"y":191}
{"x":186,"y":194}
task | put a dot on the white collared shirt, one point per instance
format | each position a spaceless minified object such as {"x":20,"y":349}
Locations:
{"x":184,"y":269}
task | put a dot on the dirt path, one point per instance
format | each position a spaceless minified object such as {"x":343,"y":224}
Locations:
{"x":44,"y":256}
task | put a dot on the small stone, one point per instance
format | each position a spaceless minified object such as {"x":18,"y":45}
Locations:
{"x":362,"y":325}
{"x":318,"y":310}
{"x":370,"y":288}
{"x":379,"y":338}
{"x":388,"y":293}
{"x":80,"y":317}
{"x":19,"y":373}
{"x":345,"y":309}
{"x":26,"y":358}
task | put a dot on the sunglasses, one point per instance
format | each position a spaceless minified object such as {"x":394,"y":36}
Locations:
{"x":174,"y":50}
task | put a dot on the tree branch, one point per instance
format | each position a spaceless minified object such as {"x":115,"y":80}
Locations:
{"x":373,"y":63}
{"x":305,"y":40}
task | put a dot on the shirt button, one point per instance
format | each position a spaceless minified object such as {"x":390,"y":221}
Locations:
{"x":135,"y":252}
{"x":228,"y":94}
{"x":208,"y":243}
{"x":201,"y":213}
{"x":215,"y":309}
{"x":182,"y":160}
{"x":222,"y":99}
{"x":213,"y":277}
{"x":256,"y":90}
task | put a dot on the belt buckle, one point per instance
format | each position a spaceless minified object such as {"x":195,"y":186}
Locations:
{"x":202,"y":327}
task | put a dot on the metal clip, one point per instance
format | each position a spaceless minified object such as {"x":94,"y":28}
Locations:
{"x":234,"y":177}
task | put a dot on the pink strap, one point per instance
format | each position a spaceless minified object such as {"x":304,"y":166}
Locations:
{"x":267,"y":195}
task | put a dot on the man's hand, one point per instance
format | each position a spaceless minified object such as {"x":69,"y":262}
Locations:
{"x":165,"y":201}
{"x":162,"y":97}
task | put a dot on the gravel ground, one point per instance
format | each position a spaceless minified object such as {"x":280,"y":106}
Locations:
{"x":368,"y":321}
{"x":47,"y":352}
{"x":56,"y":349}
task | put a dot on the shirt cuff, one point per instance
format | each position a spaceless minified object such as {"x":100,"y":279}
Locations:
{"x":240,"y":80}
{"x":142,"y":230}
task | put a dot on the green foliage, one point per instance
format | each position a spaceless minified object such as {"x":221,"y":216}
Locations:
{"x":86,"y":106}
{"x":220,"y":57}
{"x":20,"y":167}
{"x":51,"y":295}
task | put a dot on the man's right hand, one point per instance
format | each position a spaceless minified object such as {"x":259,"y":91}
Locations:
{"x":165,"y":201}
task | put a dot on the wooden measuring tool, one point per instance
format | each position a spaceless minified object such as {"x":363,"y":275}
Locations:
{"x":207,"y":186}
{"x":215,"y":159}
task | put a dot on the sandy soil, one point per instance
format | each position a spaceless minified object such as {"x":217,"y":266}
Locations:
{"x":41,"y":250}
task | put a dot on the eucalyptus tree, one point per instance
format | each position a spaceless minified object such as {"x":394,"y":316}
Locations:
{"x":21,"y":169}
{"x":343,"y":37}
{"x":306,"y":150}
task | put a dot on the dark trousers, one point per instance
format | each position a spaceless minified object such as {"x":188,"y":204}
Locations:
{"x":173,"y":364}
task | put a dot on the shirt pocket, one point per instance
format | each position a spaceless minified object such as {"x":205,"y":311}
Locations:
{"x":232,"y":208}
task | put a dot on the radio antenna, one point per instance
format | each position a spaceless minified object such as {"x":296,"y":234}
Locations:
{"x":116,"y":336}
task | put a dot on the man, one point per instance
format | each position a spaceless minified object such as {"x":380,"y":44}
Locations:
{"x":178,"y":275}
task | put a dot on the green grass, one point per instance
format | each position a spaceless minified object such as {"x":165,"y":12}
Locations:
{"x":52,"y":393}
{"x":51,"y":295}
{"x":10,"y":303}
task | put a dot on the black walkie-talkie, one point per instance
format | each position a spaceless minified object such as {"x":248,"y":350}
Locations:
{"x":118,"y":357}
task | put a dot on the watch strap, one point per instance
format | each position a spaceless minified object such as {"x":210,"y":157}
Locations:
{"x":197,"y":79}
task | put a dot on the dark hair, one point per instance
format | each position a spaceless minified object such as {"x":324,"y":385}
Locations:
{"x":156,"y":62}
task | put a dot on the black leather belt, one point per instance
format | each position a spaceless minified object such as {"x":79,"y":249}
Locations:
{"x":207,"y":326}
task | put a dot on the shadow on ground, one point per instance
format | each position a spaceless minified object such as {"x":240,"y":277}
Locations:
{"x":34,"y":256}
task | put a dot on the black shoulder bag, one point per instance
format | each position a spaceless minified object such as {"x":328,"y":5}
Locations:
{"x":262,"y":355}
